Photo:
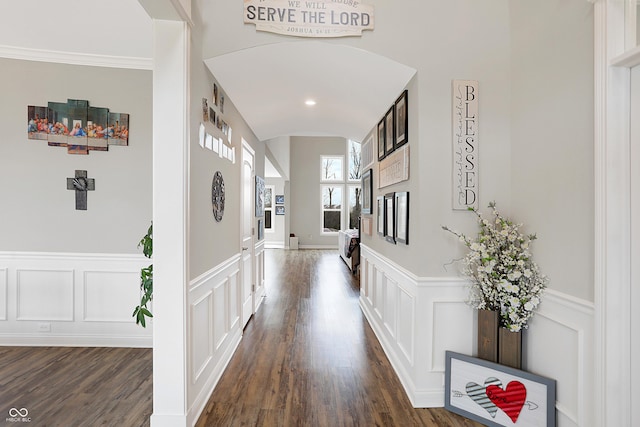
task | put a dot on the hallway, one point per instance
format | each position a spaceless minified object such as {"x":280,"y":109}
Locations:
{"x":309,"y":358}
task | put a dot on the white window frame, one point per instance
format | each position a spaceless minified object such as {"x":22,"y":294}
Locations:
{"x":340,"y":186}
{"x":347,"y":162}
{"x":342,"y":169}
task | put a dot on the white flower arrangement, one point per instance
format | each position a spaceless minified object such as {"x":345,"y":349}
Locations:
{"x":504,"y":277}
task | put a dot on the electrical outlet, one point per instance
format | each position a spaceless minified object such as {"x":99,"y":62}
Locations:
{"x":44,"y":327}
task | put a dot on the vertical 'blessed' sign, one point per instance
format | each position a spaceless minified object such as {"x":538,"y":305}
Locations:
{"x":465,"y":144}
{"x":310,"y":18}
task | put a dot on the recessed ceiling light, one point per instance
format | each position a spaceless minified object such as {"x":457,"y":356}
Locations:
{"x":310,"y":102}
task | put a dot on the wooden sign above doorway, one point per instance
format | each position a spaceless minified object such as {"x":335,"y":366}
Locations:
{"x":317,"y":18}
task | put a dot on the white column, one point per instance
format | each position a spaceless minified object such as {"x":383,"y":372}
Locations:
{"x":170,"y":202}
{"x":612,"y":387}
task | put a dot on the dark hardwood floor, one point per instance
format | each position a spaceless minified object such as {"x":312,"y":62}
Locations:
{"x":70,"y":386}
{"x":308,"y":358}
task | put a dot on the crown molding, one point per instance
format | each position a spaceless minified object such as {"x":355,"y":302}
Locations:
{"x":73,"y":58}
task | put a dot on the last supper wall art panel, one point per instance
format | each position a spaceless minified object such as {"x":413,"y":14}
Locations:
{"x":77,"y":126}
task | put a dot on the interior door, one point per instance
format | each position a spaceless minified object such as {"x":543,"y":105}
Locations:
{"x":247,"y":212}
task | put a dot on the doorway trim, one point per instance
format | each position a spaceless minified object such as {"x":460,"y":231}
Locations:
{"x":612,"y":257}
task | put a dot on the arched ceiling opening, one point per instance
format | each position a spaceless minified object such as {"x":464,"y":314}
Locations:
{"x":269,"y":85}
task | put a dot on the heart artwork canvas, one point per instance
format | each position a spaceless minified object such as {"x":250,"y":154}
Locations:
{"x":498,"y":395}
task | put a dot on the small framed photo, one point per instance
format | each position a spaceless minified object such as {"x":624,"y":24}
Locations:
{"x":259,"y":196}
{"x":497,"y":395}
{"x":389,"y":131}
{"x":380,"y":215}
{"x":402,"y":217}
{"x":367,"y":192}
{"x":205,"y":110}
{"x":381,"y":134}
{"x":214,"y":96}
{"x":280,"y":199}
{"x":279,"y":210}
{"x":401,"y":121}
{"x":389,"y":217}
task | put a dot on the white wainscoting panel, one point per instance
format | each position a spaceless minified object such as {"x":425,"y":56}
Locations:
{"x":432,"y":316}
{"x":109,"y":296}
{"x":45,"y":295}
{"x":3,"y":294}
{"x":214,"y":330}
{"x":559,"y":345}
{"x":202,"y":349}
{"x":446,"y":335}
{"x":221,"y":319}
{"x":259,"y":276}
{"x":406,"y":322}
{"x":66,"y":299}
{"x":391,"y":307}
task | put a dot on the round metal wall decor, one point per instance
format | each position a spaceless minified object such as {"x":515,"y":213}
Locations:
{"x":217,"y":196}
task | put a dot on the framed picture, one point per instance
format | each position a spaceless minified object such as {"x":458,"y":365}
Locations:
{"x":279,"y":210}
{"x":402,"y":217}
{"x":402,"y":121}
{"x":367,"y":192}
{"x":268,"y":197}
{"x":366,"y":153}
{"x":279,"y":199}
{"x":389,"y":131}
{"x":380,"y":215}
{"x":214,"y":96}
{"x":381,"y":134}
{"x":259,"y":196}
{"x":205,"y":110}
{"x":389,"y":217}
{"x":497,"y":395}
{"x":260,"y":230}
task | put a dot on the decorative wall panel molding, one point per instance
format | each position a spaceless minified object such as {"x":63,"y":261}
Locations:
{"x":66,"y":299}
{"x":108,"y":295}
{"x":3,"y":294}
{"x":214,"y":329}
{"x":431,"y":316}
{"x":46,"y":295}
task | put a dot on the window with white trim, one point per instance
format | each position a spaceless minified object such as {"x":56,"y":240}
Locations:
{"x":332,"y":208}
{"x":269,"y":192}
{"x":332,"y":168}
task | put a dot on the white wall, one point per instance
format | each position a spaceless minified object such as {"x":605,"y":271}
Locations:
{"x":70,"y":277}
{"x":214,"y":242}
{"x":305,"y":214}
{"x":277,"y":237}
{"x":552,"y":137}
{"x":38,"y":212}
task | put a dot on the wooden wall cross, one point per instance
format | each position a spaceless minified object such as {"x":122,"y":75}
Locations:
{"x":81,"y":184}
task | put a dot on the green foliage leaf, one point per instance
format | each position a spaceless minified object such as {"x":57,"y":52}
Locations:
{"x":141,"y":312}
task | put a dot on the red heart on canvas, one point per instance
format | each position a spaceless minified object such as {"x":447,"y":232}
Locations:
{"x":510,"y":400}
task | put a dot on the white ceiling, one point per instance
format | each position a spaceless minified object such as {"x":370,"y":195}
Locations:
{"x":268,"y":84}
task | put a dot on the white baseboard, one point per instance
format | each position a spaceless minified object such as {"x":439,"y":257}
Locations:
{"x":328,"y":247}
